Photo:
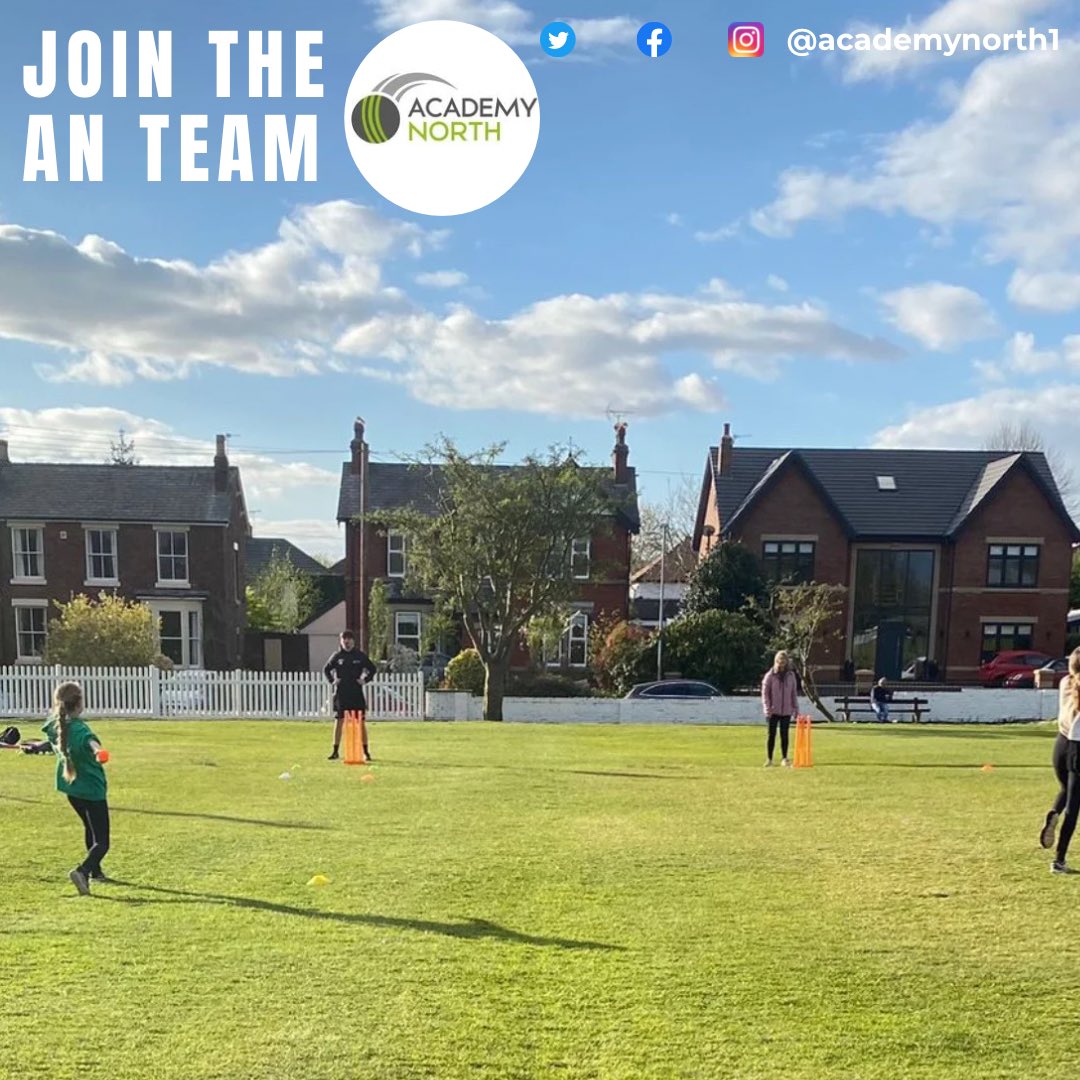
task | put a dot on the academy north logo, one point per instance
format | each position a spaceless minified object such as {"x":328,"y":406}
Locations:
{"x":377,"y":117}
{"x":442,"y":118}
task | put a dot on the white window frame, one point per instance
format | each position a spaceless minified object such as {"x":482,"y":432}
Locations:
{"x":581,"y":549}
{"x":18,"y":578}
{"x":88,"y":531}
{"x":394,"y":548}
{"x":186,"y":609}
{"x":19,"y":606}
{"x":173,"y":530}
{"x":579,"y":620}
{"x":399,"y":616}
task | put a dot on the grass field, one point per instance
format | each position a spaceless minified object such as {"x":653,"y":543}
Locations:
{"x":515,"y":901}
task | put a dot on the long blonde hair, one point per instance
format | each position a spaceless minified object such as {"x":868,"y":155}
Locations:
{"x":1074,"y":680}
{"x":781,"y":662}
{"x":67,"y":704}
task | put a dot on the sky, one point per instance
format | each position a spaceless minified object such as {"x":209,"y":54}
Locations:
{"x":862,"y":249}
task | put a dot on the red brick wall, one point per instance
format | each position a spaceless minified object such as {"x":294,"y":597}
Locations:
{"x":793,"y":507}
{"x":1017,"y":509}
{"x":211,"y":568}
{"x":607,"y":589}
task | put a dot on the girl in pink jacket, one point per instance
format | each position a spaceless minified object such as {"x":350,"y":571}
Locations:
{"x":780,"y":702}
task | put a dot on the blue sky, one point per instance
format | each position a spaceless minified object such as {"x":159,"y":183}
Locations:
{"x":843,"y":251}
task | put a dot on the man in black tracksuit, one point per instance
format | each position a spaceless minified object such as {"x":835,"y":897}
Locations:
{"x":348,"y":669}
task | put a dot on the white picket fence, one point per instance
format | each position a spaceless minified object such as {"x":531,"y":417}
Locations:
{"x":26,"y":692}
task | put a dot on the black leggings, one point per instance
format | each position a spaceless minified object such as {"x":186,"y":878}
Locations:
{"x":94,"y":814}
{"x":1067,"y":770}
{"x":784,"y":724}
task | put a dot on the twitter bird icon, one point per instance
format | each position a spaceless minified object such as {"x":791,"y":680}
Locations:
{"x":558,"y":39}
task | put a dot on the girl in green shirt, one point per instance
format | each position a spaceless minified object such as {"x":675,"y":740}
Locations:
{"x":81,"y":778}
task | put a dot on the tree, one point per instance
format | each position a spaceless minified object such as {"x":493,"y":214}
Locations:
{"x":725,"y":648}
{"x":497,"y":541}
{"x":726,"y":580}
{"x":110,"y":632}
{"x":1022,"y":436}
{"x":281,"y":598}
{"x":621,"y":655}
{"x":678,"y":512}
{"x":122,"y":452}
{"x":544,"y":634}
{"x":1074,"y":581}
{"x":804,"y":618}
{"x":378,"y":621}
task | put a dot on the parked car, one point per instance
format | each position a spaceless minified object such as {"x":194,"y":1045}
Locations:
{"x":1011,"y":662}
{"x":674,"y":688}
{"x":1026,"y":679}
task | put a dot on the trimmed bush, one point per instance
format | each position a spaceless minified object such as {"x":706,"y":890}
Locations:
{"x":466,"y":672}
{"x":724,"y":648}
{"x":546,"y":686}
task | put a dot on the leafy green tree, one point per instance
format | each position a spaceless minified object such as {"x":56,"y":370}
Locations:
{"x":727,"y":579}
{"x":378,"y":621}
{"x":282,"y":598}
{"x":1074,"y":581}
{"x":725,"y":648}
{"x":806,"y":618}
{"x":110,"y":632}
{"x":497,"y":543}
{"x":621,"y":655}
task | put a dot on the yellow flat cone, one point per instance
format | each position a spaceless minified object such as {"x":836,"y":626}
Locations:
{"x":987,"y":768}
{"x":367,"y":776}
{"x":319,"y":879}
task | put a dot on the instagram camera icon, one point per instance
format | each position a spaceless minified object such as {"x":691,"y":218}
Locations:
{"x":746,"y":39}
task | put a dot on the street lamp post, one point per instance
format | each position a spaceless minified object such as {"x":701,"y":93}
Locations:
{"x":660,"y":636}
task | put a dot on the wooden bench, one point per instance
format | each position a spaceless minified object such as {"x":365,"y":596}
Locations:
{"x":915,"y":707}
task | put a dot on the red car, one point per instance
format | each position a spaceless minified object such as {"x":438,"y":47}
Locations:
{"x":1013,"y":662}
{"x":1026,"y":679}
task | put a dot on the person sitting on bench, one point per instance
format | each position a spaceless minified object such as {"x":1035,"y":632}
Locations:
{"x":879,"y":701}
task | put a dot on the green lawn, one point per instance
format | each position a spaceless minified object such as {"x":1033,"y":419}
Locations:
{"x":540,"y":901}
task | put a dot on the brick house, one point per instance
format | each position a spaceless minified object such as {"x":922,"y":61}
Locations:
{"x":368,"y":488}
{"x":665,"y":580}
{"x":170,"y":536}
{"x":951,"y":555}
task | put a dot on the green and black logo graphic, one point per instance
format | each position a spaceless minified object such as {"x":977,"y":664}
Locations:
{"x":376,"y":116}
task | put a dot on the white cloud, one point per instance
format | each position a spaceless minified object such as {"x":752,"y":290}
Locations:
{"x":579,"y":355}
{"x":1005,"y":159}
{"x":940,"y":316}
{"x":717,"y":236}
{"x":953,"y":17}
{"x":1053,"y":291}
{"x":314,"y":301}
{"x":513,"y":23}
{"x":443,"y":279}
{"x":85,"y":434}
{"x":675,"y":220}
{"x":774,"y":281}
{"x":1023,"y":357}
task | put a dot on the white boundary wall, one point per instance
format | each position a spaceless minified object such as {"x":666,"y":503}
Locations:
{"x":975,"y":706}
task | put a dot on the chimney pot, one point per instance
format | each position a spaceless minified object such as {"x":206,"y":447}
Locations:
{"x":221,"y":466}
{"x":358,"y":447}
{"x":620,"y":454}
{"x":4,"y":459}
{"x":727,"y":449}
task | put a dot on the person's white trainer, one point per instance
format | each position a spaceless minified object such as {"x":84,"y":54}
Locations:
{"x":786,"y":763}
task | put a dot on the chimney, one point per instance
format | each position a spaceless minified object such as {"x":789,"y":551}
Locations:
{"x":358,"y":447}
{"x":727,"y":447}
{"x":221,"y":466}
{"x":4,"y":459}
{"x":620,"y":454}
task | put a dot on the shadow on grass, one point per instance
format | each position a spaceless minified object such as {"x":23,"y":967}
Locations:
{"x":302,"y":825}
{"x":1045,"y":767}
{"x":1033,"y":730}
{"x":542,"y":768}
{"x":468,"y":929}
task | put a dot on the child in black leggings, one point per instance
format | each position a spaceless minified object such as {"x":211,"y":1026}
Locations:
{"x":81,"y":778}
{"x":1066,"y":761}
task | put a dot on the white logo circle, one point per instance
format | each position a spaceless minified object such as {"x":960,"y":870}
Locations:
{"x":442,"y":118}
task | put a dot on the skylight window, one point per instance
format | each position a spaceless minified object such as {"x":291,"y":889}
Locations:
{"x":886,"y":483}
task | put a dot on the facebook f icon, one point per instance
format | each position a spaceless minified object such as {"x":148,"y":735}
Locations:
{"x":654,"y":39}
